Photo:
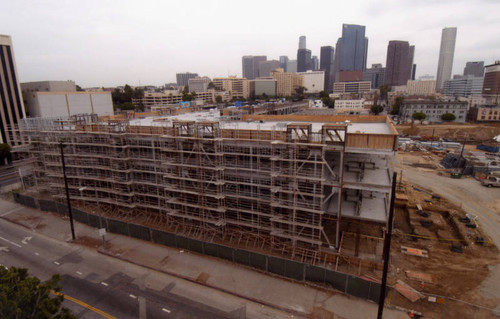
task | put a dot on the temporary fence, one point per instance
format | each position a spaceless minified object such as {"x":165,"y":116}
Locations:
{"x":435,"y":306}
{"x":348,"y":284}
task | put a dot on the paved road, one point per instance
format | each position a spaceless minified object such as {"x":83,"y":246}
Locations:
{"x":117,"y":288}
{"x":474,"y":198}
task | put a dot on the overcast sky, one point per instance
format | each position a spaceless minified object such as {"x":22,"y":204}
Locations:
{"x":110,"y":43}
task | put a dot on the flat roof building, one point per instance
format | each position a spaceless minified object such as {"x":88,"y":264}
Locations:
{"x":491,"y":84}
{"x":237,"y":87}
{"x":287,"y":82}
{"x":421,"y":87}
{"x":433,"y":109}
{"x":314,"y":81}
{"x":351,"y":87}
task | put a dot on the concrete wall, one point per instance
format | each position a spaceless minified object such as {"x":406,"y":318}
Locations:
{"x":47,"y":104}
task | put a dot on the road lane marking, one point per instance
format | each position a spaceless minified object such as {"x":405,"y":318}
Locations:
{"x":166,"y":310}
{"x":104,"y":284}
{"x":57,"y":263}
{"x":25,"y":240}
{"x":79,"y":273}
{"x":37,"y":254}
{"x":11,"y":242}
{"x":132,"y":296}
{"x":11,"y":211}
{"x":6,"y":249}
{"x":83,"y":304}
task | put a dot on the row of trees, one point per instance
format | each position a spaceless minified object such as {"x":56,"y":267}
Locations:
{"x":122,"y":99}
{"x":447,"y":117}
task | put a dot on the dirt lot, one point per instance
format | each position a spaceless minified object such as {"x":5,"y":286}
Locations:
{"x":457,"y":132}
{"x":471,"y":275}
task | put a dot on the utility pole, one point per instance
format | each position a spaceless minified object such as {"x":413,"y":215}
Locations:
{"x":387,"y":248}
{"x":70,"y":212}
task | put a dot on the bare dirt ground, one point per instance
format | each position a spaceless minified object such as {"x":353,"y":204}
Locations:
{"x":458,"y":132}
{"x":473,"y":275}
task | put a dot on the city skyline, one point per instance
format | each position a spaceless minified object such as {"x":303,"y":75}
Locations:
{"x":98,"y":44}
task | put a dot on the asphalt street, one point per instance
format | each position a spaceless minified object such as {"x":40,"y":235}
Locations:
{"x":106,"y":287}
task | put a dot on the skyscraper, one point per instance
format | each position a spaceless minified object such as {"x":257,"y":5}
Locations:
{"x":302,"y":42}
{"x":399,"y":63}
{"x":315,"y":62}
{"x":12,"y":109}
{"x":326,"y":62}
{"x":352,"y":50}
{"x":304,"y":61}
{"x":283,"y":62}
{"x":265,"y":67}
{"x":376,"y":75}
{"x":491,"y":84}
{"x":446,"y":52}
{"x":250,"y":65}
{"x":474,"y":68}
{"x":183,"y":78}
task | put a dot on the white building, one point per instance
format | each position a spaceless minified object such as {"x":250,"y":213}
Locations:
{"x":50,"y":104}
{"x":314,"y":81}
{"x":433,"y":109}
{"x":446,"y":53}
{"x":350,"y":104}
{"x":198,"y":84}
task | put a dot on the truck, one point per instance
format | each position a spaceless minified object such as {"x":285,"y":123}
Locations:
{"x":491,"y":181}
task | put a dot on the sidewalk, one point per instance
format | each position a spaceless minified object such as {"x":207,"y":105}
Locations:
{"x":295,"y":298}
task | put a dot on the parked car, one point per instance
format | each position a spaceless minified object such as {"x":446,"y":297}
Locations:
{"x":491,"y":181}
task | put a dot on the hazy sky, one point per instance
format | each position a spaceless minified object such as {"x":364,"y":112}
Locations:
{"x":110,"y":43}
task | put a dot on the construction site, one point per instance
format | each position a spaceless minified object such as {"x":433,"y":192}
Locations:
{"x":298,"y":186}
{"x":310,"y":189}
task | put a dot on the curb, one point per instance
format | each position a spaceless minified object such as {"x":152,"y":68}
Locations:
{"x":270,"y":305}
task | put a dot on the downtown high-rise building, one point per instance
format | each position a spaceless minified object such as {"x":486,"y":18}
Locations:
{"x":475,"y":68}
{"x":304,"y":58}
{"x":315,"y":62}
{"x":326,"y":63}
{"x":375,"y":74}
{"x":283,"y":62}
{"x":250,"y":65}
{"x":446,"y":53}
{"x":12,"y":110}
{"x":265,"y":67}
{"x":399,"y":63}
{"x":183,"y":78}
{"x":351,"y":52}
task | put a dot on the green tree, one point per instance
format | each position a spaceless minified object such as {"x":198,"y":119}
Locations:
{"x":300,"y":92}
{"x":376,"y":109}
{"x":384,"y":90}
{"x":79,"y":88}
{"x":328,"y":102}
{"x":448,"y":117}
{"x":419,"y":116}
{"x":22,"y":296}
{"x":210,"y":85}
{"x":138,"y":93}
{"x":398,"y":102}
{"x":323,"y":94}
{"x":127,"y":106}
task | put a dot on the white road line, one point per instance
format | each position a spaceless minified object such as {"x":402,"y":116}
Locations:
{"x":11,"y":242}
{"x":11,"y":211}
{"x":37,"y":254}
{"x":166,"y":310}
{"x":132,"y":296}
{"x":79,"y":273}
{"x":104,"y":284}
{"x":25,"y":240}
{"x":57,"y":263}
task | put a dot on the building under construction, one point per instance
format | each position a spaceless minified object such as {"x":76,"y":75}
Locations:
{"x":292,"y":185}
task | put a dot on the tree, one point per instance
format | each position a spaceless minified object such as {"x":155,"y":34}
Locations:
{"x":127,"y":106}
{"x":22,"y":296}
{"x":300,"y":92}
{"x":323,"y":94}
{"x":79,"y":88}
{"x":376,"y":109}
{"x":210,"y":86}
{"x":397,"y":104}
{"x":448,"y":117}
{"x":218,"y":99}
{"x":419,"y":116}
{"x":384,"y":89}
{"x":328,"y":102}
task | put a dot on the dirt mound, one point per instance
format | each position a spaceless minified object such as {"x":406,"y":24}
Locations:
{"x":457,"y":132}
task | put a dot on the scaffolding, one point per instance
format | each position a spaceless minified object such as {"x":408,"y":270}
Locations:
{"x":284,"y":190}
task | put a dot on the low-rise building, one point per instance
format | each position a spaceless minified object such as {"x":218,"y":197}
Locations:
{"x":351,"y":87}
{"x":463,"y":86}
{"x":286,"y":82}
{"x":484,"y":113}
{"x":50,"y":104}
{"x":421,"y":87}
{"x":237,"y":87}
{"x":263,"y":87}
{"x":349,"y":104}
{"x":198,"y":84}
{"x":314,"y":81}
{"x":433,"y":109}
{"x":152,"y":99}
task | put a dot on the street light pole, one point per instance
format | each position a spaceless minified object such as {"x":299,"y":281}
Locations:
{"x":70,"y":212}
